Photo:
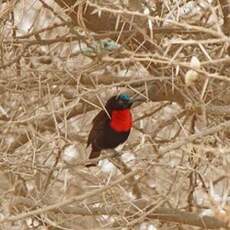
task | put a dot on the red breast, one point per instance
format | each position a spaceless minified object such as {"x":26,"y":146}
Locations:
{"x":121,"y":120}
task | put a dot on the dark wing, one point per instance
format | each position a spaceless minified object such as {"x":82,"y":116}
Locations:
{"x":97,"y":132}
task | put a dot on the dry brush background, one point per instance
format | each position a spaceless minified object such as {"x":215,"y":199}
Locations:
{"x":61,"y":59}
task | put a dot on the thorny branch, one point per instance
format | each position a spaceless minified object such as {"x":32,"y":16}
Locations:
{"x":57,"y":58}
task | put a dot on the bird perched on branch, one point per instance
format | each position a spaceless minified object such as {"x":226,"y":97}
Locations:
{"x":111,"y":127}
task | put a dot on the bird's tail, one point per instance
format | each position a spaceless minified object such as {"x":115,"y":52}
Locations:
{"x":93,"y":154}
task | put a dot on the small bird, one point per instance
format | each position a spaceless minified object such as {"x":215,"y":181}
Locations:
{"x":111,"y":127}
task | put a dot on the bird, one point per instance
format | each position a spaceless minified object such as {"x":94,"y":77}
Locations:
{"x":111,"y":127}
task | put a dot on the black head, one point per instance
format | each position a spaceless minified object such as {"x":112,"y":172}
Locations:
{"x":121,"y":101}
